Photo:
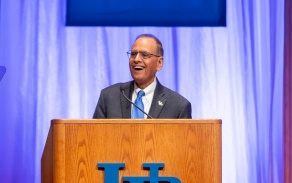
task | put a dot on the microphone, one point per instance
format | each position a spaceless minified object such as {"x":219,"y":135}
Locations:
{"x":123,"y":91}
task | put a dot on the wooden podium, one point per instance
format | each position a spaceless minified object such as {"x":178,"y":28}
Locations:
{"x":189,"y":149}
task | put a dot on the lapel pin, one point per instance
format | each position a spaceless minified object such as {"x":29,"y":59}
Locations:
{"x":160,"y":103}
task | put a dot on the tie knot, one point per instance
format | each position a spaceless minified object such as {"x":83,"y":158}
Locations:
{"x":141,"y":93}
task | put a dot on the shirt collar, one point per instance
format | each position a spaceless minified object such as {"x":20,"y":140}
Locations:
{"x":148,"y":90}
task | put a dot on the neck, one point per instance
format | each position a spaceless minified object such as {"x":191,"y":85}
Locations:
{"x":144,"y":85}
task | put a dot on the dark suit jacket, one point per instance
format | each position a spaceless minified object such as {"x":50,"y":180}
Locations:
{"x":166,"y":103}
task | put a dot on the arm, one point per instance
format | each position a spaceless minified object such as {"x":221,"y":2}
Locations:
{"x":100,"y":111}
{"x":186,"y":112}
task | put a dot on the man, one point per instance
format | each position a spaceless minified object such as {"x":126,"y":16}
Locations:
{"x":157,"y":101}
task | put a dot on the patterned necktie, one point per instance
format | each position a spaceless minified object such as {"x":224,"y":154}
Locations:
{"x":137,"y":114}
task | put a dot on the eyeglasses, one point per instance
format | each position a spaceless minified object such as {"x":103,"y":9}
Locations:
{"x":143,"y":54}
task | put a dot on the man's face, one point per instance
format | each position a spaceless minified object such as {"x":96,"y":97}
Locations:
{"x":143,"y":70}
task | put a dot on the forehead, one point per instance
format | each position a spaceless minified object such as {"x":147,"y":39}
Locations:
{"x":145,"y":44}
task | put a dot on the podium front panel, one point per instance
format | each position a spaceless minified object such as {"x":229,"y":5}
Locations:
{"x":189,"y":149}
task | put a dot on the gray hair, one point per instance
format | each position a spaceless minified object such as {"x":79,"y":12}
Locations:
{"x":159,"y":44}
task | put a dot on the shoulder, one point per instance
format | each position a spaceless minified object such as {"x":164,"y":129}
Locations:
{"x":176,"y":104}
{"x":172,"y":95}
{"x":116,"y":88}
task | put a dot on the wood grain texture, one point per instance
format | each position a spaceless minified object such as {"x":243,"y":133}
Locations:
{"x":190,"y":149}
{"x":47,"y":159}
{"x":59,"y":146}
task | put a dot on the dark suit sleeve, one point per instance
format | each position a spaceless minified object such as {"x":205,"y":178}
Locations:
{"x":186,"y":112}
{"x":100,"y":111}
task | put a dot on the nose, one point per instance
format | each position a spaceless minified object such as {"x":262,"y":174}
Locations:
{"x":138,"y":57}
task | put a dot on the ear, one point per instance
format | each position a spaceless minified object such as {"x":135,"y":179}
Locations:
{"x":159,"y":63}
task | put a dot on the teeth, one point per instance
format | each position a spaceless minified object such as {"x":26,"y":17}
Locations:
{"x":138,"y":68}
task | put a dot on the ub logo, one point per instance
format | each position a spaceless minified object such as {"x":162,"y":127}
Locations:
{"x":111,"y":174}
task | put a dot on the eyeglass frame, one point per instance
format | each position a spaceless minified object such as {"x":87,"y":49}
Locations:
{"x":129,"y":53}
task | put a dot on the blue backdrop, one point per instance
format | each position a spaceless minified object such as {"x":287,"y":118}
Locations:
{"x":146,"y":12}
{"x":234,"y":73}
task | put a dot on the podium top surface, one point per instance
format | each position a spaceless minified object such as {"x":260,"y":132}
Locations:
{"x":133,"y":121}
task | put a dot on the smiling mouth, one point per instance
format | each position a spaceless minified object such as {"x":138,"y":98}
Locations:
{"x":138,"y":68}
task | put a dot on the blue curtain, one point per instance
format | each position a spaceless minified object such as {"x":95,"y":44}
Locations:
{"x":234,"y":73}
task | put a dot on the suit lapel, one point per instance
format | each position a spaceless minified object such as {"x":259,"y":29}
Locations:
{"x":158,"y":101}
{"x":125,"y":104}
